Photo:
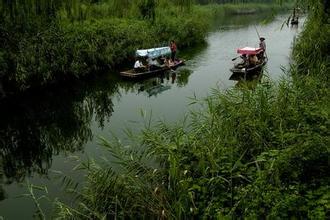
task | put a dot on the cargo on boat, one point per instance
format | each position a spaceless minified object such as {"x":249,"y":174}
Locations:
{"x":159,"y":55}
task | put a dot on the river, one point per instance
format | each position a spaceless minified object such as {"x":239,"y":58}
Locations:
{"x":44,"y":134}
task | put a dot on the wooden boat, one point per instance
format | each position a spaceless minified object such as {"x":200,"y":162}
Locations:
{"x":294,"y":21}
{"x":152,"y":53}
{"x":241,"y":71}
{"x":132,"y":73}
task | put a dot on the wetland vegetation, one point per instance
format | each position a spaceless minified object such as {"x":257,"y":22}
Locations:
{"x":45,"y":42}
{"x":243,"y":153}
{"x":261,"y":153}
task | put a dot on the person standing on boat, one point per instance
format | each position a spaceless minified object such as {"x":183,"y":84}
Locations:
{"x":173,"y":50}
{"x":262,"y":45}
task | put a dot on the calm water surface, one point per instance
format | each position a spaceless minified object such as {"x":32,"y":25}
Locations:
{"x":42,"y":135}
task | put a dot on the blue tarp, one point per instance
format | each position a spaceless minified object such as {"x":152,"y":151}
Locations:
{"x":153,"y":52}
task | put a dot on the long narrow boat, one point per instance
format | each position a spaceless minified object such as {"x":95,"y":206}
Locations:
{"x":242,"y":71}
{"x":132,"y":73}
{"x":294,"y":21}
{"x":152,"y":53}
{"x":295,"y":16}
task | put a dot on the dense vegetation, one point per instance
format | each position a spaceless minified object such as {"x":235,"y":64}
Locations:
{"x":42,"y":42}
{"x":256,"y":154}
{"x":55,"y":42}
{"x":234,"y":1}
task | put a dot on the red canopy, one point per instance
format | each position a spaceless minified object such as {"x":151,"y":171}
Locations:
{"x":249,"y":50}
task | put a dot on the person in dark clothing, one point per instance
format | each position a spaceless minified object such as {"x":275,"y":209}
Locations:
{"x":262,"y":45}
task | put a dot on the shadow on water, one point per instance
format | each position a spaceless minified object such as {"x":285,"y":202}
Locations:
{"x":238,"y":21}
{"x":153,"y":86}
{"x":36,"y":126}
{"x":248,"y":80}
{"x":251,"y":82}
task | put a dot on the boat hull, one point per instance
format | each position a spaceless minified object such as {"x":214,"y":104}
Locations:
{"x":247,"y":73}
{"x":133,"y":74}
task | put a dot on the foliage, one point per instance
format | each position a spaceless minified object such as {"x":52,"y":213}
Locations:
{"x":255,"y":154}
{"x":70,"y":39}
{"x":75,"y":44}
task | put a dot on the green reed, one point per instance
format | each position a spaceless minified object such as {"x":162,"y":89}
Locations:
{"x":260,"y":153}
{"x":79,"y":37}
{"x":73,"y":44}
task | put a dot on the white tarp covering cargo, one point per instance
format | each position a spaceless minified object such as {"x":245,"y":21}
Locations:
{"x":153,"y":52}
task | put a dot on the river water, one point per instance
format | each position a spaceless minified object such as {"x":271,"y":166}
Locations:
{"x":44,"y":134}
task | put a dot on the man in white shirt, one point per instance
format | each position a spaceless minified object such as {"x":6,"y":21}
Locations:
{"x":138,"y":65}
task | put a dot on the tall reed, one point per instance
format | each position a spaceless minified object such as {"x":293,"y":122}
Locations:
{"x":260,"y":153}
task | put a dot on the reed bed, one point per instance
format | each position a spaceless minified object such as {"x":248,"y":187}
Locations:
{"x":77,"y":38}
{"x":260,"y":153}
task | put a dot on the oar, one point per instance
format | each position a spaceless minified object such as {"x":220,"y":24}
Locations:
{"x":235,"y":58}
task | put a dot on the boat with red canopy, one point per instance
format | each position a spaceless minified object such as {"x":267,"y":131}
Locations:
{"x":246,"y":68}
{"x":249,"y":50}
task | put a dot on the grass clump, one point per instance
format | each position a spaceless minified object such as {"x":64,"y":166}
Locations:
{"x":260,"y":153}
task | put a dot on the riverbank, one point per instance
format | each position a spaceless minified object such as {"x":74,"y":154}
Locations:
{"x":261,"y":153}
{"x":72,"y":47}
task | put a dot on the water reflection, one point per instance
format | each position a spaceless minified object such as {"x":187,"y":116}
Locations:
{"x":255,"y":75}
{"x":163,"y":82}
{"x":238,"y":21}
{"x":154,"y":86}
{"x":251,"y":82}
{"x":159,"y":83}
{"x":294,"y":26}
{"x":36,"y":126}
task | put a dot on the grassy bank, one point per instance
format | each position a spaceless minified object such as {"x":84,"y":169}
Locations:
{"x":39,"y":52}
{"x":252,"y":154}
